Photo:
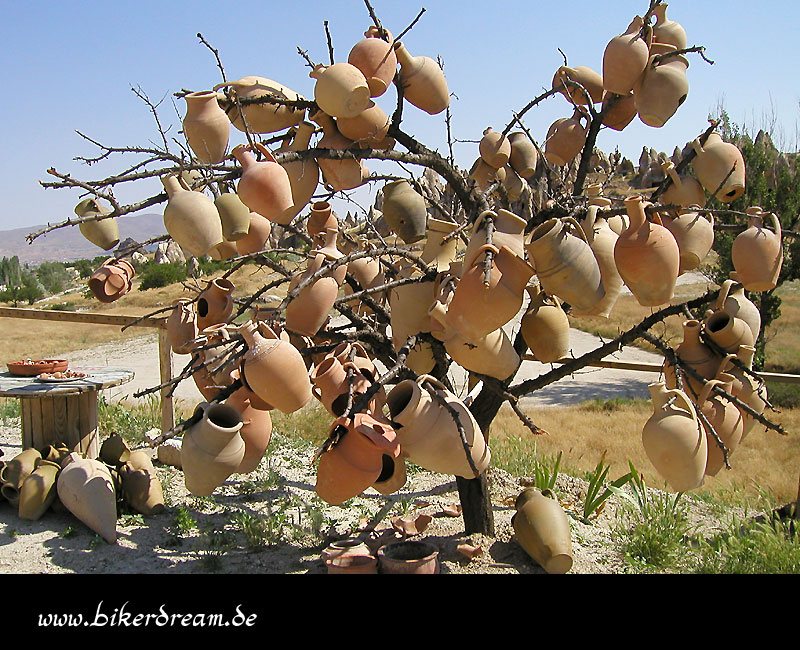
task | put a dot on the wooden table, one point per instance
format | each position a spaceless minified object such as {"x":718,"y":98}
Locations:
{"x":62,"y":412}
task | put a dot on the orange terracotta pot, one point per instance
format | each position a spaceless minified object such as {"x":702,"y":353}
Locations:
{"x":695,"y":236}
{"x":713,"y":164}
{"x":494,"y":148}
{"x":697,"y":355}
{"x":215,"y":303}
{"x":330,"y":384}
{"x":566,"y":138}
{"x":625,"y":57}
{"x":206,"y":127}
{"x":757,"y":253}
{"x":346,"y":174}
{"x":588,"y":78}
{"x":621,"y":114}
{"x":508,"y":231}
{"x":424,"y":83}
{"x":257,"y":235}
{"x":376,"y":60}
{"x":182,"y":326}
{"x":264,"y":186}
{"x":303,"y":174}
{"x":256,"y":430}
{"x":341,"y":89}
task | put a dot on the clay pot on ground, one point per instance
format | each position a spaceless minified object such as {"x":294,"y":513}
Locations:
{"x":684,"y":190}
{"x":566,"y":138}
{"x":436,"y":251}
{"x":542,"y":529}
{"x":713,"y":164}
{"x":695,"y":236}
{"x":545,"y":327}
{"x":38,"y":491}
{"x":104,"y":232}
{"x":602,"y":240}
{"x":494,"y":148}
{"x":141,"y":487}
{"x":424,"y":83}
{"x":508,"y":231}
{"x":735,"y":303}
{"x":524,"y":156}
{"x":85,"y":487}
{"x":674,"y":439}
{"x":409,"y":557}
{"x":321,"y":219}
{"x":206,"y":127}
{"x":114,"y":450}
{"x":565,"y":264}
{"x":346,"y":174}
{"x":264,"y":185}
{"x":257,"y":235}
{"x":215,"y":303}
{"x":256,"y":430}
{"x":647,"y":257}
{"x":340,"y":90}
{"x":726,"y":419}
{"x":367,"y":129}
{"x":349,"y":556}
{"x":376,"y":60}
{"x":212,"y":448}
{"x":16,"y":470}
{"x":757,"y":253}
{"x":728,"y":332}
{"x":662,"y":88}
{"x":355,"y":462}
{"x":621,"y":113}
{"x":191,"y":218}
{"x":666,"y":30}
{"x":273,"y":369}
{"x":112,"y":280}
{"x":261,"y":118}
{"x":625,"y":57}
{"x":303,"y":174}
{"x":696,"y":354}
{"x":588,"y":78}
{"x":427,"y":432}
{"x":404,"y":211}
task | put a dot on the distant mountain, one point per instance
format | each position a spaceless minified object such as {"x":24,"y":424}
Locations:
{"x":68,"y":244}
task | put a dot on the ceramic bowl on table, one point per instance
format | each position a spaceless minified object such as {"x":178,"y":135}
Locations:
{"x":28,"y":368}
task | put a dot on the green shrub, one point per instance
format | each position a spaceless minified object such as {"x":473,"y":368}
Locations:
{"x":129,"y":421}
{"x":161,"y":275}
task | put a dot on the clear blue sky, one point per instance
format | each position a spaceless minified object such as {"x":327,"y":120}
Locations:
{"x":70,"y":65}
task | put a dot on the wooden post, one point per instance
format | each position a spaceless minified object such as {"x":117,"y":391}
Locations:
{"x":165,"y":366}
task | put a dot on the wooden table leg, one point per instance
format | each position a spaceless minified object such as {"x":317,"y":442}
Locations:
{"x":71,"y":419}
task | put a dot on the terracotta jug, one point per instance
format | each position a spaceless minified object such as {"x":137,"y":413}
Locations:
{"x":38,"y":490}
{"x":212,"y":448}
{"x":409,"y":304}
{"x":494,"y":148}
{"x":141,"y":487}
{"x":625,"y":57}
{"x":257,"y":235}
{"x":16,"y":470}
{"x":114,"y":451}
{"x":524,"y":156}
{"x":393,"y":475}
{"x":346,"y":174}
{"x":666,"y":30}
{"x":695,"y":354}
{"x":647,"y":257}
{"x":734,"y":302}
{"x":191,"y":218}
{"x":307,"y":312}
{"x":508,"y":231}
{"x":340,"y":90}
{"x":684,"y":191}
{"x":360,"y":358}
{"x":423,"y":81}
{"x":726,"y":419}
{"x":545,"y":327}
{"x":112,"y":280}
{"x":273,"y":369}
{"x":376,"y":60}
{"x":350,"y":556}
{"x":405,"y":211}
{"x":303,"y":174}
{"x":330,"y":385}
{"x":513,"y":183}
{"x":437,"y":252}
{"x":264,"y":186}
{"x":565,"y":264}
{"x":477,"y":309}
{"x":427,"y":431}
{"x":356,"y":462}
{"x":695,"y":236}
{"x":103,"y":233}
{"x":713,"y":164}
{"x":662,"y":88}
{"x":602,"y":240}
{"x":749,"y":390}
{"x":85,"y":487}
{"x":492,"y":355}
{"x":367,"y":129}
{"x":329,"y":248}
{"x":224,"y":251}
{"x":409,"y":557}
{"x":215,"y":303}
{"x":256,"y":430}
{"x":566,"y":138}
{"x":588,"y":78}
{"x":264,"y":117}
{"x":757,"y":253}
{"x":728,"y":332}
{"x":321,"y":218}
{"x":542,"y":529}
{"x":674,"y":439}
{"x":621,"y":114}
{"x":206,"y":127}
{"x":485,"y":175}
{"x":234,"y":214}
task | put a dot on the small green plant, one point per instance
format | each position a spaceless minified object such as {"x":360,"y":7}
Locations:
{"x":69,"y":531}
{"x":132,"y":520}
{"x":595,"y":500}
{"x":183,"y":522}
{"x":11,"y":532}
{"x":214,"y":545}
{"x":9,"y":408}
{"x":161,"y":275}
{"x":130,"y":421}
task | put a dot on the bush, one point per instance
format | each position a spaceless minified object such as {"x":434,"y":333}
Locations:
{"x":161,"y":275}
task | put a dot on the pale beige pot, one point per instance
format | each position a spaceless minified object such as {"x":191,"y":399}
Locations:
{"x":38,"y":490}
{"x":224,"y":251}
{"x":436,"y":251}
{"x":545,"y":327}
{"x":524,"y":156}
{"x":695,"y":236}
{"x":492,"y":355}
{"x":141,"y":487}
{"x":191,"y":218}
{"x":427,"y":432}
{"x":566,"y":138}
{"x":212,"y":448}
{"x":749,"y":390}
{"x":307,"y":312}
{"x":684,"y":191}
{"x":602,"y":241}
{"x":734,"y":302}
{"x":409,"y":306}
{"x":666,"y":30}
{"x":303,"y":174}
{"x":405,"y":211}
{"x":376,"y":60}
{"x":367,"y":129}
{"x":256,"y":430}
{"x":647,"y":257}
{"x":206,"y":127}
{"x":508,"y":231}
{"x":621,"y":113}
{"x":16,"y":470}
{"x":662,"y":88}
{"x":728,"y":332}
{"x":85,"y":487}
{"x":674,"y":440}
{"x":261,"y":118}
{"x":513,"y":183}
{"x":340,"y":90}
{"x":592,"y":81}
{"x":264,"y":185}
{"x":625,"y":58}
{"x":257,"y":235}
{"x":726,"y":420}
{"x":714,"y":161}
{"x":494,"y":148}
{"x":321,"y":218}
{"x":182,"y":326}
{"x":344,"y":174}
{"x":424,"y":83}
{"x":695,"y":354}
{"x":565,"y":264}
{"x":757,"y":253}
{"x":542,"y":529}
{"x":103,"y":233}
{"x":484,"y":175}
{"x":215,"y":303}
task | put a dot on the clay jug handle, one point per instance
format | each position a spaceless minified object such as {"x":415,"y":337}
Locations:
{"x":682,"y":397}
{"x":484,"y":248}
{"x":263,"y":149}
{"x":776,"y":223}
{"x":573,"y":222}
{"x":481,"y":217}
{"x":591,"y":217}
{"x":316,"y":73}
{"x":723,"y":293}
{"x":698,"y":148}
{"x":709,"y":386}
{"x":423,"y":379}
{"x":726,"y":364}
